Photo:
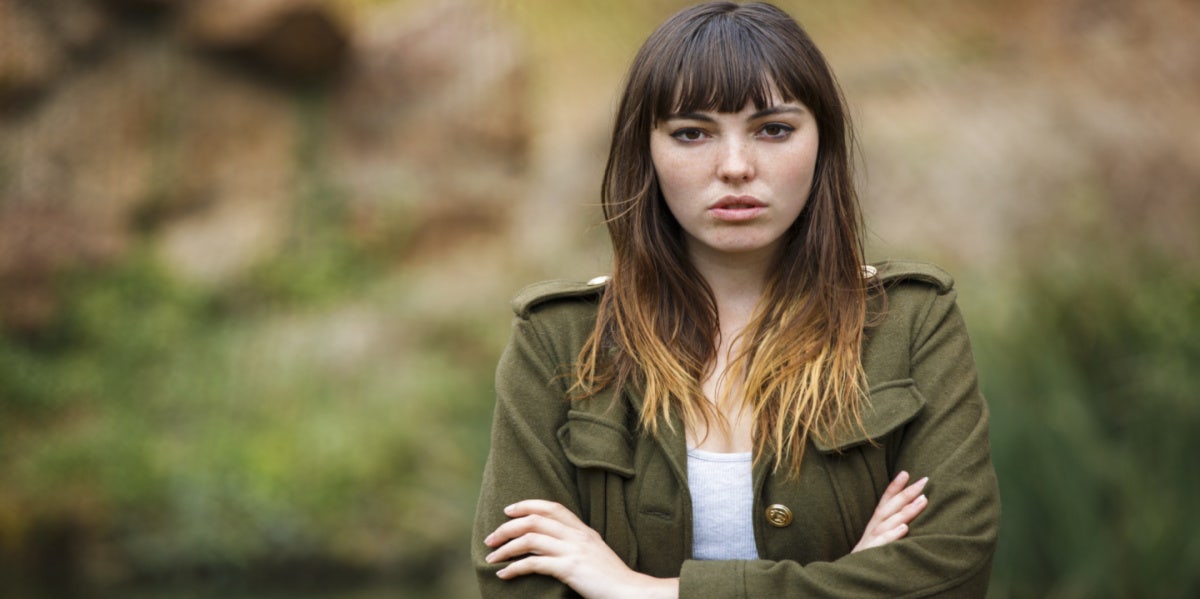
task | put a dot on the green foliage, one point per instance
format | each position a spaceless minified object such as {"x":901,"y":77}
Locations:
{"x":112,"y":322}
{"x":295,"y":418}
{"x":315,"y":269}
{"x":1092,"y":385}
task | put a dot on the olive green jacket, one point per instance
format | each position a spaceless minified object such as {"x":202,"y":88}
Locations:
{"x":926,"y":416}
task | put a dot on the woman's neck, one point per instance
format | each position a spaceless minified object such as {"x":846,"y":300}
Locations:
{"x":737,"y":282}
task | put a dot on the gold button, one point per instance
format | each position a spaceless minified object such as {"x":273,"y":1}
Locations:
{"x":779,"y":515}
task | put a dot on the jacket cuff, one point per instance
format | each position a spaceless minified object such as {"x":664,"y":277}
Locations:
{"x":716,"y":579}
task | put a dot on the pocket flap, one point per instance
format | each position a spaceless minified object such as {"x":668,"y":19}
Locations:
{"x":892,"y":405}
{"x":591,"y":441}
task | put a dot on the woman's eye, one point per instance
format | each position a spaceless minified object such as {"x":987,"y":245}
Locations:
{"x":688,"y":135}
{"x":776,"y":130}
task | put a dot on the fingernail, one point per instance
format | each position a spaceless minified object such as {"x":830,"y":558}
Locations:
{"x":900,"y":474}
{"x":502,"y":572}
{"x":922,"y":498}
{"x":509,"y":509}
{"x":488,"y":559}
{"x":923,"y":481}
{"x":487,"y":540}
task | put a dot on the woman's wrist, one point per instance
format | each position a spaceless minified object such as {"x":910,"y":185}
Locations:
{"x":657,"y":588}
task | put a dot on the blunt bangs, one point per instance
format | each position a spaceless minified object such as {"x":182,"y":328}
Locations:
{"x":737,"y":54}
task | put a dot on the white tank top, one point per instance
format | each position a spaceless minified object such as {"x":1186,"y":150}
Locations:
{"x":722,"y":492}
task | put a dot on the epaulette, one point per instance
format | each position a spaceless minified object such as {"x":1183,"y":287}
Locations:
{"x":893,"y":271}
{"x":539,"y":293}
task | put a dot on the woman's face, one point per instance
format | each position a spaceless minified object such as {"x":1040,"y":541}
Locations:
{"x":736,"y":181}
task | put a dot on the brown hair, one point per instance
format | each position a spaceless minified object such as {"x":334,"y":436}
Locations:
{"x":657,"y":325}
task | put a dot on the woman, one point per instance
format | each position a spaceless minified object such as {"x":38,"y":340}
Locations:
{"x":736,"y":411}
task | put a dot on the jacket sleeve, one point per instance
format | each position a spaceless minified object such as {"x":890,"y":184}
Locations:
{"x":948,"y":551}
{"x":525,"y":461}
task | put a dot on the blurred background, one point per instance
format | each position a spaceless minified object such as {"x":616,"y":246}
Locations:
{"x":255,"y":260}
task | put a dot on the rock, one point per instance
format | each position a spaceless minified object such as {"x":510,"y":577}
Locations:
{"x":294,"y":39}
{"x":95,"y":146}
{"x":425,"y":137}
{"x":234,"y":176}
{"x":144,"y":5}
{"x":29,"y":57}
{"x":155,"y":141}
{"x":72,"y":169}
{"x":79,"y":25}
{"x":429,"y":123}
{"x":37,"y":242}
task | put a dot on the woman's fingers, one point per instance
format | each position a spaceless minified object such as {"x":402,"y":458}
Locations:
{"x":890,"y":535}
{"x":544,"y":537}
{"x":537,"y":527}
{"x":533,"y":512}
{"x":526,"y":544}
{"x":541,"y":507}
{"x":531,"y":565}
{"x":529,"y":524}
{"x":895,"y":486}
{"x":889,"y":505}
{"x":906,"y":513}
{"x":898,"y":506}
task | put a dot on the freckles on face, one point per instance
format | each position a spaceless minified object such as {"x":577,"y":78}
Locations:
{"x":736,"y":182}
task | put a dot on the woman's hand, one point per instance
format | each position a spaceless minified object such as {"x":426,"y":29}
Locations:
{"x":898,"y":506}
{"x":556,"y":543}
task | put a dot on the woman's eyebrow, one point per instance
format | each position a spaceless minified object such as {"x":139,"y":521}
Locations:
{"x":766,"y":112}
{"x":777,"y":109}
{"x":690,"y":116}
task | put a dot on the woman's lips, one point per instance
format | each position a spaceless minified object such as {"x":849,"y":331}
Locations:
{"x":737,"y":208}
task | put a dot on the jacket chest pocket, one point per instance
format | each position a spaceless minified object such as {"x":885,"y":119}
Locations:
{"x":601,"y":451}
{"x":628,"y":492}
{"x":840,"y":484}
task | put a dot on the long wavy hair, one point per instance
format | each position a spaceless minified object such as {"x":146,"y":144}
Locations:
{"x":799,"y":366}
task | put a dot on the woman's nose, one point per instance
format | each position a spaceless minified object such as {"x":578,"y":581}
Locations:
{"x":736,"y":164}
